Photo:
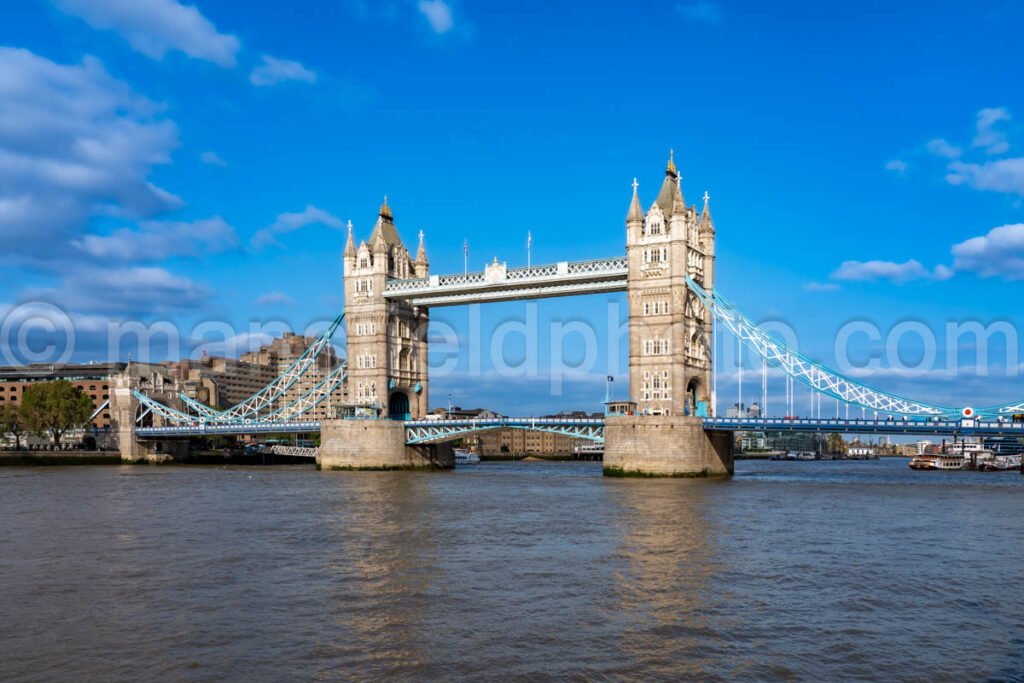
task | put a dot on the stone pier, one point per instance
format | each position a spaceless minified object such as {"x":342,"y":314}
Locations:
{"x":376,"y":445}
{"x":665,"y":446}
{"x":154,"y":452}
{"x":123,"y":409}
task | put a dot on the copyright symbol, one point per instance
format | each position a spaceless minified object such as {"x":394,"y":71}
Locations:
{"x":36,"y":332}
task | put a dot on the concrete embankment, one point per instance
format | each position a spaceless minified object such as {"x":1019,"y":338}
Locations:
{"x":21,"y":458}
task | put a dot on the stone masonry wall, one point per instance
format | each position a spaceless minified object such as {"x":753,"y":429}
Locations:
{"x":665,"y":446}
{"x":376,"y":445}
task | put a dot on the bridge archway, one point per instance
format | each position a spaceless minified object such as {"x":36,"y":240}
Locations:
{"x":398,"y":406}
{"x":693,"y":391}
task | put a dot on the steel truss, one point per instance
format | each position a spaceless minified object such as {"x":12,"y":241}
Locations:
{"x":437,"y":431}
{"x":1006,"y":409}
{"x":103,"y":406}
{"x":311,"y":398}
{"x":268,"y":395}
{"x":200,"y":408}
{"x":249,"y":410}
{"x":166,"y":412}
{"x":809,"y":372}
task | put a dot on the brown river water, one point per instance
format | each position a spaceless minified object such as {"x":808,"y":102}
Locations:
{"x":505,"y":571}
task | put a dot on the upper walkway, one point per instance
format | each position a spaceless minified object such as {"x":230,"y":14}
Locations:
{"x":500,"y":283}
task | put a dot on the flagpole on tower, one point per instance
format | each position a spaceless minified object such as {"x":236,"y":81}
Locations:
{"x":465,"y":256}
{"x":529,"y":242}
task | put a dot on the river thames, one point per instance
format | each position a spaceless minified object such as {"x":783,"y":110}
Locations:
{"x":815,"y":571}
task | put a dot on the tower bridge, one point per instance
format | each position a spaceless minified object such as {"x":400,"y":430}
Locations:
{"x":668,"y":274}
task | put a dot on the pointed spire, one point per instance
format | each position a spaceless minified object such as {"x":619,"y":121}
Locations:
{"x":636,"y":213}
{"x":350,"y":244}
{"x":378,"y":243}
{"x":666,"y":200}
{"x":385,"y":210}
{"x":421,"y":253}
{"x":678,"y":204}
{"x":705,"y":217}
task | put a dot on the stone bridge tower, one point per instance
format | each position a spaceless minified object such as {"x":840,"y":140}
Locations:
{"x":670,"y":360}
{"x":669,"y":329}
{"x":387,"y":340}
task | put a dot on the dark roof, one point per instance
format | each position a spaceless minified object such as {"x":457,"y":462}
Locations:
{"x":47,"y":371}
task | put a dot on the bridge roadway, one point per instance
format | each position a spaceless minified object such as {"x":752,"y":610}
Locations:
{"x":435,"y":431}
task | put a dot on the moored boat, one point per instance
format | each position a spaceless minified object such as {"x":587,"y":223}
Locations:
{"x":937,"y":462}
{"x":464,"y":457}
{"x":1001,"y":463}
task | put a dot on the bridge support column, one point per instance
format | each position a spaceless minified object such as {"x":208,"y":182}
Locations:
{"x":665,"y":446}
{"x":376,"y":445}
{"x":124,"y":408}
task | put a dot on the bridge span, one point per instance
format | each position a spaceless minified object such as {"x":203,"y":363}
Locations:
{"x":676,"y":310}
{"x":592,"y":429}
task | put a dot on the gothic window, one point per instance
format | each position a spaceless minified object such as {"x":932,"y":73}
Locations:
{"x":647,"y":309}
{"x":364,"y":262}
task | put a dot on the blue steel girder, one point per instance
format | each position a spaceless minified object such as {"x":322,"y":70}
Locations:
{"x":917,"y":426}
{"x":311,"y":399}
{"x":166,"y":412}
{"x":1005,"y":409}
{"x":200,"y":408}
{"x":252,"y":406}
{"x":806,"y":371}
{"x":438,"y":431}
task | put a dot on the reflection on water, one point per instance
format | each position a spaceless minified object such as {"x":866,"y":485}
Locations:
{"x":666,"y":561}
{"x":524,"y":570}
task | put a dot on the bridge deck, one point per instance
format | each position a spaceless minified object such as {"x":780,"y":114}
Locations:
{"x":889,"y":426}
{"x":432,"y":431}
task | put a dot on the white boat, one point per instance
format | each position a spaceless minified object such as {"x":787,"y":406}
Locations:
{"x":464,"y":457}
{"x":937,"y":462}
{"x":1000,"y":463}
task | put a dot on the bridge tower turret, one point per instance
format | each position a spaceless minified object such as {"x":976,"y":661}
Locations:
{"x":669,"y":329}
{"x":387,"y":340}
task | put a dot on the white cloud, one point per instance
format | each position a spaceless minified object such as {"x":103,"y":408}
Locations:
{"x":212,"y":159}
{"x":273,"y":71}
{"x":124,"y":290}
{"x":943,"y":272}
{"x":941,"y":148}
{"x":160,"y":240}
{"x":897,"y":273}
{"x":991,"y":140}
{"x":74,"y":143}
{"x":705,"y":11}
{"x":438,"y":14}
{"x":1000,"y":253}
{"x":275,"y":299}
{"x":821,"y":287}
{"x":290,"y":222}
{"x":1001,"y":175}
{"x":897,"y":166}
{"x":156,"y":27}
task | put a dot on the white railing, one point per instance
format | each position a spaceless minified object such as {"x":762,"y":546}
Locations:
{"x":569,"y":270}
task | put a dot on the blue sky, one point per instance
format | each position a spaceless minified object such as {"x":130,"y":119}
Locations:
{"x":161,"y":161}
